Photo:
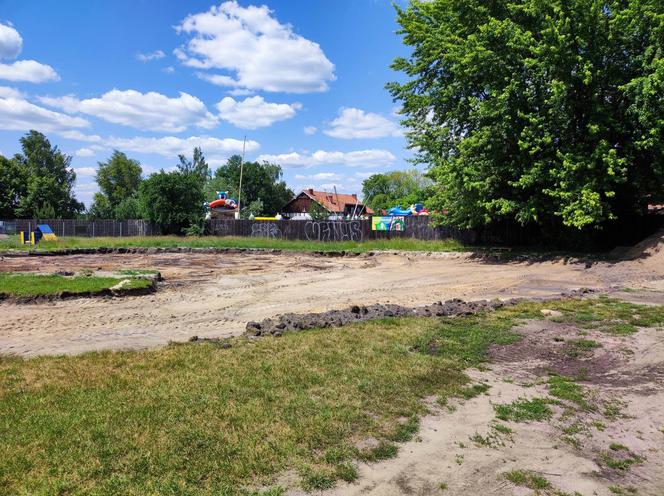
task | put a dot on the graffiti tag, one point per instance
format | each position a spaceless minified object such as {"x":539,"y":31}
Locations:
{"x":333,"y":231}
{"x":265,"y":230}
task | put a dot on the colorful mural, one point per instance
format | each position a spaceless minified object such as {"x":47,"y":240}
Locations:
{"x":388,"y":223}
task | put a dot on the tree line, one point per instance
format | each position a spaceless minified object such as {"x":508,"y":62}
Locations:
{"x":39,"y":181}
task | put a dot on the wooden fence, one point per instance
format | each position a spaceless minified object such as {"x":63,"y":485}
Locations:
{"x":327,"y":230}
{"x":90,"y":228}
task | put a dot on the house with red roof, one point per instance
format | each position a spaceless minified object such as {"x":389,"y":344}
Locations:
{"x":339,"y":205}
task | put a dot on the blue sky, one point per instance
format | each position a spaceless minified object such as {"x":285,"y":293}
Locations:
{"x":303,"y":81}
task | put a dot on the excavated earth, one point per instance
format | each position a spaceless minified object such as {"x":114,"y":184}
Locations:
{"x":214,"y":294}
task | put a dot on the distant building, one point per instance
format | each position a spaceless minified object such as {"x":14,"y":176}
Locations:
{"x":339,"y":205}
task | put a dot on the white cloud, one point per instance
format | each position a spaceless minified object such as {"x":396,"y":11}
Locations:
{"x":355,"y":123}
{"x":255,"y":49}
{"x":85,"y":171}
{"x":7,"y":92}
{"x":321,"y":176}
{"x":168,"y":70}
{"x":147,"y":57}
{"x":359,"y":158}
{"x":18,"y":114}
{"x":84,"y":152}
{"x":171,"y":146}
{"x":310,"y":130}
{"x":240,"y":92}
{"x":255,"y":112}
{"x":11,"y":42}
{"x":29,"y":71}
{"x":150,"y":111}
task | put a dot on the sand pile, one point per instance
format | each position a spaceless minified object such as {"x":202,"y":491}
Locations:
{"x":650,"y":248}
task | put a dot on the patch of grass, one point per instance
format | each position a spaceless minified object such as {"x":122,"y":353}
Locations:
{"x":405,"y":244}
{"x":621,"y":459}
{"x":566,"y":389}
{"x":613,"y":410}
{"x":442,"y":486}
{"x":470,"y":392}
{"x":580,"y":347}
{"x":623,"y":491}
{"x":384,"y":451}
{"x":523,"y":410}
{"x":527,"y":478}
{"x":503,"y":429}
{"x":491,"y":440}
{"x":27,"y":285}
{"x":405,"y":430}
{"x":318,"y":479}
{"x":346,"y":472}
{"x":618,"y":447}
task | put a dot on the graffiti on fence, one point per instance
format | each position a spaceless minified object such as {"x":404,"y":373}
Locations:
{"x":333,"y":231}
{"x":265,"y":230}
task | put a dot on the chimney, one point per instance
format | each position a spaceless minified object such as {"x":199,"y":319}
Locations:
{"x":354,"y":196}
{"x":311,"y":191}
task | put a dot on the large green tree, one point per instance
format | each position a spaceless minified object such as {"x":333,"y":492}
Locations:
{"x":543,"y":112}
{"x":197,"y":166}
{"x":14,"y":182}
{"x":383,"y":191}
{"x":49,"y":180}
{"x":173,"y":200}
{"x":260,"y":181}
{"x":118,"y":179}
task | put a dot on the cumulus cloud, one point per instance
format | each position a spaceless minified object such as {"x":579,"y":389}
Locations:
{"x":321,"y":176}
{"x":84,"y":152}
{"x":254,"y":49}
{"x":151,"y":111}
{"x":310,"y":130}
{"x":147,"y":57}
{"x":354,"y":123}
{"x":18,"y":114}
{"x":29,"y":71}
{"x":85,"y":171}
{"x":255,"y":112}
{"x":11,"y":42}
{"x":172,"y":146}
{"x":359,"y":158}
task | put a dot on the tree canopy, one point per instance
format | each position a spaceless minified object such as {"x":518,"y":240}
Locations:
{"x":38,"y":182}
{"x":383,"y":191}
{"x":548,"y":113}
{"x":119,"y":179}
{"x":260,"y":181}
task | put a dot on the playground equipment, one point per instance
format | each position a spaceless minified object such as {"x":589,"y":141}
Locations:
{"x":43,"y":231}
{"x":414,"y":209}
{"x":223,"y":207}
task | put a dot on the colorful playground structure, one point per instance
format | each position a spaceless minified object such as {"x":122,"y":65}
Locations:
{"x":414,"y":209}
{"x":42,"y":231}
{"x":223,"y":206}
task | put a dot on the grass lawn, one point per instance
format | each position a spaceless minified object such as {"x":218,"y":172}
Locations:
{"x":236,"y":242}
{"x":225,"y":419}
{"x":26,"y":285}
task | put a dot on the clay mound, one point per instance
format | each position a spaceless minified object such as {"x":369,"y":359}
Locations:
{"x":651,"y":248}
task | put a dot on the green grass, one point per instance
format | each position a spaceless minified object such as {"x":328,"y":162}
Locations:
{"x":27,"y":285}
{"x":200,"y":419}
{"x":527,"y":478}
{"x":237,"y":242}
{"x":566,"y":389}
{"x":523,"y":410}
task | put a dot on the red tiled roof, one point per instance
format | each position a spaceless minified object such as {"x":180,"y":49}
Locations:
{"x":334,"y":202}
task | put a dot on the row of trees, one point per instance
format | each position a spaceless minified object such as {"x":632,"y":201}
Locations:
{"x":384,"y":191}
{"x":38,"y":183}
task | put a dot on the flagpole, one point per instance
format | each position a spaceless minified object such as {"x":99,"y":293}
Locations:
{"x":239,"y":191}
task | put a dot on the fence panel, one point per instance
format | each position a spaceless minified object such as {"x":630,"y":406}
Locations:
{"x":88,"y":228}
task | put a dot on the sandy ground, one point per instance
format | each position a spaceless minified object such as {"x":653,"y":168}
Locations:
{"x":215,"y":295}
{"x":444,"y":453}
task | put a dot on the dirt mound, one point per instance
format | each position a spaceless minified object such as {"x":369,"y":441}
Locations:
{"x":651,"y":247}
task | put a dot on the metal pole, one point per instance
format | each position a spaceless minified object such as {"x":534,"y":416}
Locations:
{"x":239,"y":191}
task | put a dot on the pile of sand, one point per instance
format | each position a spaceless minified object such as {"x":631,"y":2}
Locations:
{"x":650,"y":248}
